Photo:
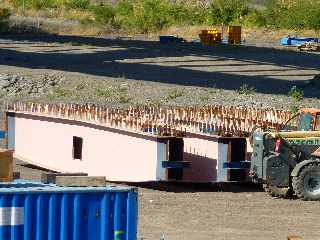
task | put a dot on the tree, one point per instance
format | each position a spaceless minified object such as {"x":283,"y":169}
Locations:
{"x":314,"y":18}
{"x":4,"y":17}
{"x":224,"y":12}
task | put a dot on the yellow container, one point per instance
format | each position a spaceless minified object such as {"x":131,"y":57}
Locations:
{"x":234,"y":34}
{"x":234,"y":29}
{"x":6,"y":165}
{"x":210,"y":37}
{"x":209,"y":31}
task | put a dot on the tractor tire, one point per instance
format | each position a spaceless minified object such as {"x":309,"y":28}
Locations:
{"x":277,"y":192}
{"x":307,"y":184}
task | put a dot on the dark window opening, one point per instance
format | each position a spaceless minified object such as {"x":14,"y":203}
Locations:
{"x":77,"y":148}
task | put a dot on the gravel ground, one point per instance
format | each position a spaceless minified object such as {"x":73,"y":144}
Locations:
{"x":123,"y":72}
{"x":225,"y":215}
{"x":127,"y":72}
{"x":204,"y":212}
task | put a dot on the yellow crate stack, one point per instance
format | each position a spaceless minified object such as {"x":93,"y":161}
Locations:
{"x":210,"y":37}
{"x":234,"y":34}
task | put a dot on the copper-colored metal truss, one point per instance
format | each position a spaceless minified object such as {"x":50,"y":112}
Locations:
{"x":217,"y":119}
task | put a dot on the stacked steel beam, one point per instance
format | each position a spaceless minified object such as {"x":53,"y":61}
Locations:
{"x":218,"y":120}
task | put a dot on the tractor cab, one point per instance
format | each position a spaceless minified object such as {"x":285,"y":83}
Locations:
{"x":308,"y":119}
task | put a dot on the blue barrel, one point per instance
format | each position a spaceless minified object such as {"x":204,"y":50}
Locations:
{"x":30,"y":211}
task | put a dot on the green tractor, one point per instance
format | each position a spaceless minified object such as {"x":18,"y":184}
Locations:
{"x":287,"y":161}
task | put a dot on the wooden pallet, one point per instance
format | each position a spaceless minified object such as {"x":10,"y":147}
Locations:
{"x":309,"y":47}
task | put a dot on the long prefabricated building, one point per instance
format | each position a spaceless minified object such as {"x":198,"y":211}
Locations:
{"x":68,"y":145}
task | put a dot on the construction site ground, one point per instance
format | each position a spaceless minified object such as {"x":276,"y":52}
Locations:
{"x":122,"y":72}
{"x":206,"y":212}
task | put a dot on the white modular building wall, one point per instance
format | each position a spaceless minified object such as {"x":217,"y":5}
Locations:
{"x":117,"y":154}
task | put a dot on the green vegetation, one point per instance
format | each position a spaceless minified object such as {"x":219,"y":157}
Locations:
{"x":146,"y":16}
{"x":4,"y":17}
{"x":288,"y":14}
{"x":154,"y":15}
{"x":105,"y":93}
{"x":175,"y":93}
{"x":294,"y":108}
{"x":4,"y":14}
{"x":212,"y":90}
{"x":155,"y":102}
{"x":204,"y":99}
{"x":50,"y":4}
{"x":225,"y":12}
{"x":81,"y":86}
{"x":245,"y":89}
{"x":78,"y":4}
{"x":118,"y":93}
{"x":59,"y":92}
{"x":104,"y":15}
{"x":37,"y":4}
{"x":296,"y":93}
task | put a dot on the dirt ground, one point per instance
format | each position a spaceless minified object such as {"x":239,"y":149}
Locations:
{"x":243,"y":214}
{"x":136,"y":71}
{"x":206,"y":212}
{"x":125,"y":72}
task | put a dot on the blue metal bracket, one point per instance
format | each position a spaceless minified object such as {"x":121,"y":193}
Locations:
{"x":175,"y":164}
{"x":237,"y":165}
{"x":3,"y":134}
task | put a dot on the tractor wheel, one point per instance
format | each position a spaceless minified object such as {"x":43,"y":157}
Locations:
{"x":278,"y":192}
{"x":307,"y":184}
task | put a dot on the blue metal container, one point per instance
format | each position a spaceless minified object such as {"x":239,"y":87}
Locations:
{"x":31,"y":211}
{"x":170,"y":39}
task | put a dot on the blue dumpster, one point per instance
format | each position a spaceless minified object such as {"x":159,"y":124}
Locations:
{"x":31,"y":211}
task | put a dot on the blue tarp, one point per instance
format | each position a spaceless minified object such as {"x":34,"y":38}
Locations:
{"x":295,"y":41}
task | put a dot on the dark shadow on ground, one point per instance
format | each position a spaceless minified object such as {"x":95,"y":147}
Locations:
{"x":34,"y":167}
{"x":34,"y":173}
{"x":177,"y":187}
{"x":112,"y":63}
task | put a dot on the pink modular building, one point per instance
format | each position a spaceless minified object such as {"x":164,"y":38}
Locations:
{"x":66,"y":145}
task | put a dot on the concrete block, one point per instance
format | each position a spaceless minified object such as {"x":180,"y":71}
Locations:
{"x":51,"y":177}
{"x":80,"y":181}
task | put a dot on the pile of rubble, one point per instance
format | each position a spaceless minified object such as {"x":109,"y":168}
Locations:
{"x":14,"y":84}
